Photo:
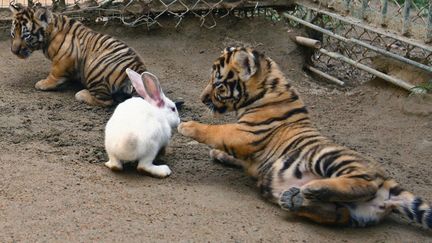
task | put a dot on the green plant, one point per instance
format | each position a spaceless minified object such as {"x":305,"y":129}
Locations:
{"x":423,"y":88}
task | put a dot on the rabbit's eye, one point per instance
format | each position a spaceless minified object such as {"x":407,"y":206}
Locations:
{"x":173,"y":109}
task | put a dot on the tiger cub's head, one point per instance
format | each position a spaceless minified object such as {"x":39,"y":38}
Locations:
{"x":28,"y":28}
{"x":236,"y":80}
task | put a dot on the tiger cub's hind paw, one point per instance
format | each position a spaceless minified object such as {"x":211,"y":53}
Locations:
{"x":291,"y":200}
{"x":221,"y":157}
{"x":86,"y":97}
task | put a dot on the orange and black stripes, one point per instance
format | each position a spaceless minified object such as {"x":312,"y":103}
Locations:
{"x":296,"y":166}
{"x":97,"y":60}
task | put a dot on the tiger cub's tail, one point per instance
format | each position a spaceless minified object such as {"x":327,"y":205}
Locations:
{"x":411,"y":206}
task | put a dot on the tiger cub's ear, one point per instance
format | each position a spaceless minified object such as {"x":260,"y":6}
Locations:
{"x":228,"y":50}
{"x":43,"y":15}
{"x":15,"y":7}
{"x":245,"y":63}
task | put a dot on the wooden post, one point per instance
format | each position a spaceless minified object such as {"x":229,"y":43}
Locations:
{"x":406,"y":18}
{"x":401,"y":83}
{"x":384,"y":13}
{"x":347,"y":6}
{"x":364,"y":9}
{"x":429,"y":24}
{"x":325,"y":75}
{"x":308,"y":42}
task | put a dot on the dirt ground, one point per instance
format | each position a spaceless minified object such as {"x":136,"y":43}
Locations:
{"x":54,"y":186}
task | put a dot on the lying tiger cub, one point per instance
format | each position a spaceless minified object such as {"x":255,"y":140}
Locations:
{"x":77,"y":53}
{"x":275,"y":141}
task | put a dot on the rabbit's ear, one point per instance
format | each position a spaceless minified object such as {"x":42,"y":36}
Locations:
{"x":137,"y":82}
{"x":153,"y":88}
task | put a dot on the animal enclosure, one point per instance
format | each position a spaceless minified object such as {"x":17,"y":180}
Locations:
{"x":54,"y":186}
{"x":356,"y":35}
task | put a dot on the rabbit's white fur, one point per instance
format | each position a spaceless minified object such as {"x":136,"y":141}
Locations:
{"x":139,"y":128}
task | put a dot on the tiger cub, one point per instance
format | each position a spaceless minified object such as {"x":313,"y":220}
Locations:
{"x":275,"y":141}
{"x":77,"y":53}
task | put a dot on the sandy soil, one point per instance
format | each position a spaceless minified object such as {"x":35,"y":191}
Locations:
{"x":54,"y":187}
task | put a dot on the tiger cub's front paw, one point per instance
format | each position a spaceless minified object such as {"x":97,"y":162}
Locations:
{"x":46,"y":84}
{"x":188,"y":129}
{"x":291,"y":199}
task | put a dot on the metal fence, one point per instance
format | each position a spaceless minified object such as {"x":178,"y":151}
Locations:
{"x":357,"y":35}
{"x":407,"y":17}
{"x":149,"y":12}
{"x":354,"y":33}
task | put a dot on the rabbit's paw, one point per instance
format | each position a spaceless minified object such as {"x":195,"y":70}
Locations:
{"x":188,"y":129}
{"x":160,"y":171}
{"x":114,"y":166}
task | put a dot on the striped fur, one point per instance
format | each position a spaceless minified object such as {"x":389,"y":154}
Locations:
{"x":77,"y":53}
{"x":275,"y":141}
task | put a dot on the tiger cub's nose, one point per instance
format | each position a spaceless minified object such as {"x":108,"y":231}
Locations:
{"x":205,"y":98}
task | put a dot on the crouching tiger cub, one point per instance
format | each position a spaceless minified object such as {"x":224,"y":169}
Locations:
{"x":275,"y":141}
{"x":77,"y":53}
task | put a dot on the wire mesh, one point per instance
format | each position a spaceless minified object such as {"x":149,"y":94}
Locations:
{"x":150,"y":12}
{"x":407,"y":17}
{"x":350,"y":32}
{"x":411,"y":18}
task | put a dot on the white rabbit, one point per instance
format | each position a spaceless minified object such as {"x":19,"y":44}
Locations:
{"x":141,"y":127}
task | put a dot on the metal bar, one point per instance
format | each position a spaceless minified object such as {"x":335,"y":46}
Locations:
{"x":429,"y":25}
{"x":325,"y":75}
{"x":406,"y":18}
{"x":392,"y":55}
{"x":399,"y":82}
{"x":358,"y":42}
{"x":384,"y":12}
{"x":383,"y":33}
{"x":364,"y":9}
{"x":314,"y":27}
